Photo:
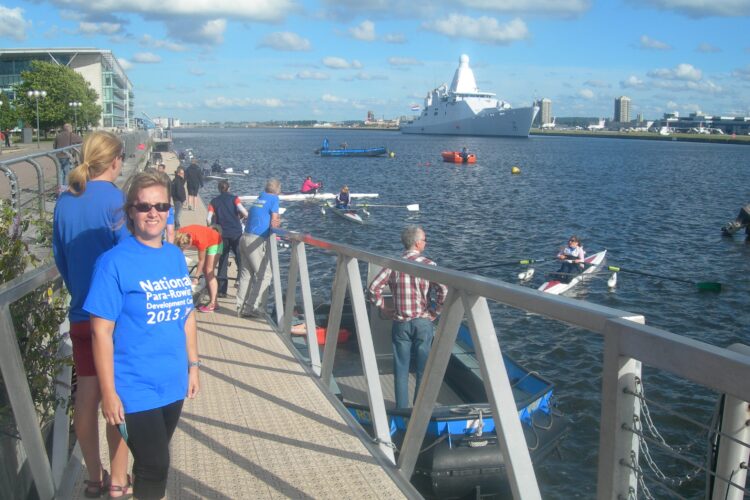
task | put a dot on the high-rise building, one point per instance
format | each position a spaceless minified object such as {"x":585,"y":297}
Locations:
{"x":622,"y":109}
{"x":99,"y":68}
{"x":545,"y":111}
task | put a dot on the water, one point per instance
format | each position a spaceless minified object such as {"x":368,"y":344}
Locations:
{"x":655,"y":206}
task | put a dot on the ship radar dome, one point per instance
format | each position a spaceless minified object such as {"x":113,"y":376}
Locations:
{"x":464,"y":59}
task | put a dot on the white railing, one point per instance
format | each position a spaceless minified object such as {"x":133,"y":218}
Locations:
{"x":628,"y":343}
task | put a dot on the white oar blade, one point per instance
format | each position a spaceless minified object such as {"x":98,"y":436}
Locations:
{"x":323,"y":209}
{"x":526,"y":275}
{"x":246,"y":172}
{"x":612,"y":281}
{"x":413,"y":208}
{"x":282,"y":210}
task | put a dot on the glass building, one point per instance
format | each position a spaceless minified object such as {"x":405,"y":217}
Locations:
{"x":98,"y":67}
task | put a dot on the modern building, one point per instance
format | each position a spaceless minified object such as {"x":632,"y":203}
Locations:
{"x":699,"y":123}
{"x":98,"y":67}
{"x":545,"y":112}
{"x":622,"y":109}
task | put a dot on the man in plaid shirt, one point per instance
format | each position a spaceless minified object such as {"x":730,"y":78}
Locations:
{"x":413,"y":313}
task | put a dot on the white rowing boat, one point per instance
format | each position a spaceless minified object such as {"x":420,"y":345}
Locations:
{"x":556,"y":287}
{"x":350,"y":214}
{"x":319,"y":196}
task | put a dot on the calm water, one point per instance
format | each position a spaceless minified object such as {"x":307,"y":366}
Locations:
{"x":655,"y":206}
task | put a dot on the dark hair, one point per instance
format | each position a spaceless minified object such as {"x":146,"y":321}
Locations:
{"x":223,"y":186}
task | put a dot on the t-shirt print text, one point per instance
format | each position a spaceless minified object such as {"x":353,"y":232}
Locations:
{"x":167,"y":298}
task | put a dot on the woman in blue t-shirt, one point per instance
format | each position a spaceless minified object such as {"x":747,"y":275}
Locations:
{"x":144,"y":334}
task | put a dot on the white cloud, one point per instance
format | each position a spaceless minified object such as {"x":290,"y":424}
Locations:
{"x":197,"y":71}
{"x":12,"y":23}
{"x":707,"y":48}
{"x":404,"y":61}
{"x":340,"y":63}
{"x":704,"y":87}
{"x":586,"y":93}
{"x":146,"y":58}
{"x":149,"y":41}
{"x":365,"y":31}
{"x":597,"y":84}
{"x":394,"y":38}
{"x":742,"y":73}
{"x":649,"y":43}
{"x":482,"y":29}
{"x":213,"y":31}
{"x":334,"y":99}
{"x":632,"y":82}
{"x":126,"y":65}
{"x":197,"y":31}
{"x":242,"y":102}
{"x":86,"y":28}
{"x":256,"y":10}
{"x":682,"y":71}
{"x":312,"y":75}
{"x":700,"y":8}
{"x":548,"y":7}
{"x":367,"y":77}
{"x":175,"y":105}
{"x":284,"y":76}
{"x":286,"y":41}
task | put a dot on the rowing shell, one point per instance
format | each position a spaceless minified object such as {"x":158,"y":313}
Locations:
{"x":557,"y":287}
{"x":348,"y":214}
{"x":319,"y":196}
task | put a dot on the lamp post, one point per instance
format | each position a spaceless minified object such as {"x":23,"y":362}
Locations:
{"x":75,"y":105}
{"x":36,"y":94}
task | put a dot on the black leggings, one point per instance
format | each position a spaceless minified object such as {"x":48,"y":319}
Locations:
{"x":149,"y":433}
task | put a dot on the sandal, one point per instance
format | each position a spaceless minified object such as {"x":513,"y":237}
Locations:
{"x":124,"y":491}
{"x":95,"y":489}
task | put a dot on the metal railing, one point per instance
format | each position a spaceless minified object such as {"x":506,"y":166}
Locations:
{"x":628,"y":343}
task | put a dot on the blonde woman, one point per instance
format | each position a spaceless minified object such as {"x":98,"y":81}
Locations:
{"x":144,"y":334}
{"x":88,"y":221}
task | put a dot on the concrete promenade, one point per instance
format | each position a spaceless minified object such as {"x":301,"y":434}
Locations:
{"x":261,"y":427}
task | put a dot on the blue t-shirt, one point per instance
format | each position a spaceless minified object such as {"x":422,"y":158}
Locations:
{"x":259,"y":219}
{"x":147,"y":293}
{"x":85,"y":227}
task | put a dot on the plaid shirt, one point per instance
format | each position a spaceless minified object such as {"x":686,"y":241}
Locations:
{"x":411,"y":295}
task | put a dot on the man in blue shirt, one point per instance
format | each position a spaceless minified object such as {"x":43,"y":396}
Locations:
{"x":255,"y":265}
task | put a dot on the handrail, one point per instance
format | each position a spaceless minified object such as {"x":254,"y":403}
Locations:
{"x":628,"y":344}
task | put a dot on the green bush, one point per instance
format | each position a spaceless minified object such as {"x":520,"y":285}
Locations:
{"x":36,"y":317}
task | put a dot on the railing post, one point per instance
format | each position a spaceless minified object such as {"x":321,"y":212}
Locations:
{"x":291,"y":290}
{"x":512,"y":442}
{"x":434,"y":373}
{"x":40,"y":184}
{"x":15,"y":190}
{"x":735,"y":423}
{"x":273,"y":249}
{"x":369,"y":362}
{"x":61,"y":428}
{"x":19,"y":394}
{"x":616,"y":444}
{"x":307,"y":304}
{"x":338,"y":294}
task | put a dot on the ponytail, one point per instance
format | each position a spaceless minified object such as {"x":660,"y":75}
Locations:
{"x":78,"y":177}
{"x":99,"y":150}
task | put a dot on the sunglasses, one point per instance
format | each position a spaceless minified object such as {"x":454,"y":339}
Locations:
{"x":122,"y":156}
{"x":146,"y":207}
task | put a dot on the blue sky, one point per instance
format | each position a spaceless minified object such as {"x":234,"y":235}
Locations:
{"x":329,"y":60}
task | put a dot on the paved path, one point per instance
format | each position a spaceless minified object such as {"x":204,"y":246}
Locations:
{"x":261,"y":426}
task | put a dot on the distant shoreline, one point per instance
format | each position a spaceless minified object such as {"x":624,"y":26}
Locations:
{"x":713,"y":139}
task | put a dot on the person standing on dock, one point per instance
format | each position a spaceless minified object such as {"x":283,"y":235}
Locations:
{"x":194,"y":181}
{"x":227,"y":210}
{"x":66,"y":137}
{"x":412,"y":313}
{"x":255,"y":273}
{"x":178,"y":194}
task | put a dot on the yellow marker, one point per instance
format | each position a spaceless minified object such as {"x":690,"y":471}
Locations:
{"x":515,"y":170}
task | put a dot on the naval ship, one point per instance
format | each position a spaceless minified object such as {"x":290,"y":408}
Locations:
{"x":463,"y":109}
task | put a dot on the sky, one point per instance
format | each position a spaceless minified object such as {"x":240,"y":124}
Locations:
{"x":333,"y":60}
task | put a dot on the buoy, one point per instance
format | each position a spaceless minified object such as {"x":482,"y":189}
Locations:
{"x":392,"y":154}
{"x":515,"y":170}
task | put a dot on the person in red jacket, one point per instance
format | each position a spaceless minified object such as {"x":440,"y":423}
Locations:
{"x":310,"y":187}
{"x":209,"y":243}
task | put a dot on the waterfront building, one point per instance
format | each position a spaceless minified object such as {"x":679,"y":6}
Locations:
{"x":545,"y":111}
{"x":622,"y":109}
{"x":705,"y":124}
{"x":98,"y":67}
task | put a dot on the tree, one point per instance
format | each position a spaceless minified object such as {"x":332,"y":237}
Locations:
{"x":63,"y":86}
{"x":8,"y":114}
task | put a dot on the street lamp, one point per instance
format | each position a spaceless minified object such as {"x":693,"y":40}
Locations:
{"x":75,"y":105}
{"x":36,"y":94}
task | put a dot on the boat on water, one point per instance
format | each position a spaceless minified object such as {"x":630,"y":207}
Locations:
{"x":350,"y":214}
{"x":462,"y":109}
{"x":461,"y":454}
{"x":592,"y":264}
{"x":379,"y":151}
{"x":458,"y":157}
{"x":310,"y":196}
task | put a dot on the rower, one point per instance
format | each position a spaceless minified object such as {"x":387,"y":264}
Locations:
{"x":572,"y":257}
{"x":324,"y":147}
{"x":310,"y":187}
{"x":742,"y":220}
{"x":216,"y":167}
{"x":465,"y":155}
{"x":343,"y":199}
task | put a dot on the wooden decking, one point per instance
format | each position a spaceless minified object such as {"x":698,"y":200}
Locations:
{"x":261,"y":426}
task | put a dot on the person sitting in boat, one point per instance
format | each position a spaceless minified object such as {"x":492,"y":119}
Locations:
{"x":464,"y":155}
{"x":310,"y":187}
{"x":325,"y":144}
{"x":216,"y":167}
{"x":343,"y":145}
{"x":343,"y":199}
{"x":572,"y":257}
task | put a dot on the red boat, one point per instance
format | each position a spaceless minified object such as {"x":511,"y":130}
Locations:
{"x":457,"y":157}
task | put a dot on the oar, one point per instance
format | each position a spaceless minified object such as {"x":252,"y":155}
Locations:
{"x":523,"y":262}
{"x":707,"y":286}
{"x":411,"y":208}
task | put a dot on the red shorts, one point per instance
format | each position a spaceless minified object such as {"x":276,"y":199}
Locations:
{"x":83,"y":354}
